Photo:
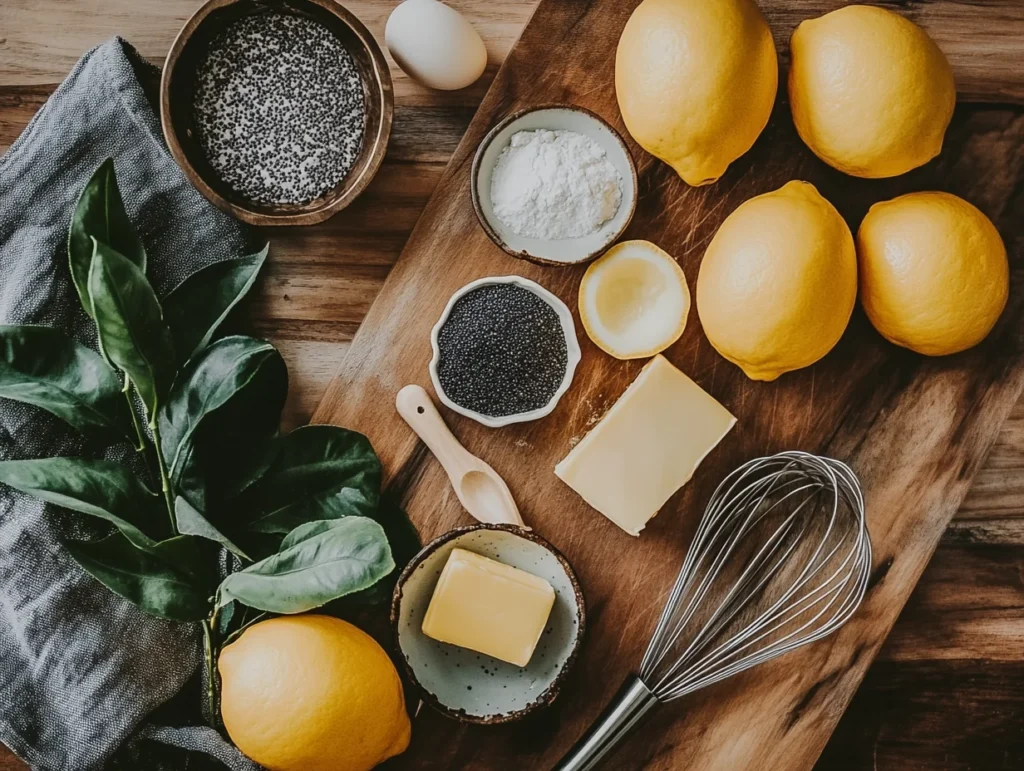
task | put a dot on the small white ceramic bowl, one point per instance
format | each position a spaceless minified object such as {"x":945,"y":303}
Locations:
{"x":571,"y":343}
{"x":568,"y":251}
{"x":469,"y":686}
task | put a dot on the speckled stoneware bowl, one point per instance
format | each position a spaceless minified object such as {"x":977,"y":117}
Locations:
{"x":568,"y":251}
{"x":470,"y":686}
{"x":176,"y":98}
{"x":571,"y":343}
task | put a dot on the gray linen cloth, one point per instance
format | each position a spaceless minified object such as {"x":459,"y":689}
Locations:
{"x":80,"y":668}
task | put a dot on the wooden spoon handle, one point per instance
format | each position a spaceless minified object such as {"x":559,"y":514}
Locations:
{"x":418,"y":410}
{"x":482,"y":492}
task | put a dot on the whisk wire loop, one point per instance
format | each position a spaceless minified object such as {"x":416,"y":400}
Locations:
{"x":780,"y":559}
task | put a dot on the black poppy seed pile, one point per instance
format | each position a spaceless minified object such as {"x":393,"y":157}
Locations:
{"x":502,"y":351}
{"x":279,"y":108}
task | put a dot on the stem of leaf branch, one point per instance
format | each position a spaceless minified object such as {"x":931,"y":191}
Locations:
{"x":127,"y":391}
{"x":165,"y":481}
{"x":209,"y":630}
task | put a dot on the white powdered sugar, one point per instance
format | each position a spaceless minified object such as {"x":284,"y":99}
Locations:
{"x":554,"y":184}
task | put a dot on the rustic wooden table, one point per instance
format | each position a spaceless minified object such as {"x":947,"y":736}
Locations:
{"x":947,"y":692}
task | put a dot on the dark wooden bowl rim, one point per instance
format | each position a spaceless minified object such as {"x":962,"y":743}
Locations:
{"x":380,"y":99}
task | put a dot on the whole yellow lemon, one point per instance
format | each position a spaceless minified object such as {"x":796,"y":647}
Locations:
{"x":312,"y":693}
{"x":934,"y":273}
{"x":871,"y":93}
{"x":696,"y":80}
{"x":778,"y":282}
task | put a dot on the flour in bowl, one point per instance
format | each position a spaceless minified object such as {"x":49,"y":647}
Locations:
{"x":554,"y":185}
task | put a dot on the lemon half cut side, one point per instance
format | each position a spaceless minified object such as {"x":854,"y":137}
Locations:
{"x":634,"y":300}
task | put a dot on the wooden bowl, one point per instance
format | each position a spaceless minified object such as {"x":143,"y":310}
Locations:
{"x":471,"y":687}
{"x":176,"y":100}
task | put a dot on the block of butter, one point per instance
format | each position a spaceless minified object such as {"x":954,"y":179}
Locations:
{"x":646,"y":447}
{"x":489,"y":607}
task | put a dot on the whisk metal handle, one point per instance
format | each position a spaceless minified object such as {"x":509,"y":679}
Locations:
{"x":633,"y":701}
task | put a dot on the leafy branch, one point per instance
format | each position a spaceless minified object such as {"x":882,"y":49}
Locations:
{"x":300,"y":515}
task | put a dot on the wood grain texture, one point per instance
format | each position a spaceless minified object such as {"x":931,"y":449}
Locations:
{"x":915,"y":430}
{"x":947,"y":690}
{"x":925,"y":716}
{"x":977,"y":37}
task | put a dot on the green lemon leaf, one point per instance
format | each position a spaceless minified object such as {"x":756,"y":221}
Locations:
{"x":130,"y":324}
{"x":171,"y":579}
{"x":44,"y":367}
{"x":100,"y":214}
{"x":99,"y":488}
{"x":247,"y":466}
{"x":305,"y":532}
{"x":320,"y":472}
{"x":226,"y":619}
{"x":197,"y":307}
{"x":404,"y":542}
{"x":191,"y":522}
{"x":320,"y":564}
{"x":223,"y":406}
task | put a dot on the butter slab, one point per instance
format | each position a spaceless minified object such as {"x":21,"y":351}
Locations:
{"x":489,"y":607}
{"x":646,"y":447}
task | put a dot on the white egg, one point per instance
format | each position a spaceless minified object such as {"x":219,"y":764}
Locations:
{"x":435,"y":45}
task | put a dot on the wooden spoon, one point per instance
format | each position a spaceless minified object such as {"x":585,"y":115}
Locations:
{"x":480,"y":489}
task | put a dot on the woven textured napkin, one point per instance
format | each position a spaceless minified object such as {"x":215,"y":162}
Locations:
{"x":80,"y":668}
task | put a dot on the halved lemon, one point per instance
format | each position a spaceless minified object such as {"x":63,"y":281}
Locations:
{"x":634,"y":300}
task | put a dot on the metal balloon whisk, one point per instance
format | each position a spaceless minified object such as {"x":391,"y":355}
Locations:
{"x":781,"y":558}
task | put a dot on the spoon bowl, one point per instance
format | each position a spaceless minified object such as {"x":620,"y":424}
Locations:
{"x":480,"y":489}
{"x":485,"y":493}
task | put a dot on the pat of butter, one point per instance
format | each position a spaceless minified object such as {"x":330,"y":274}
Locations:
{"x":646,"y":447}
{"x":489,"y":607}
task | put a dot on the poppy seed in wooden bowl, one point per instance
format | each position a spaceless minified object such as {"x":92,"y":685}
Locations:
{"x":279,"y":111}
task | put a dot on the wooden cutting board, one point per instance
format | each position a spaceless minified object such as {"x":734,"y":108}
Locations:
{"x":914,"y":429}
